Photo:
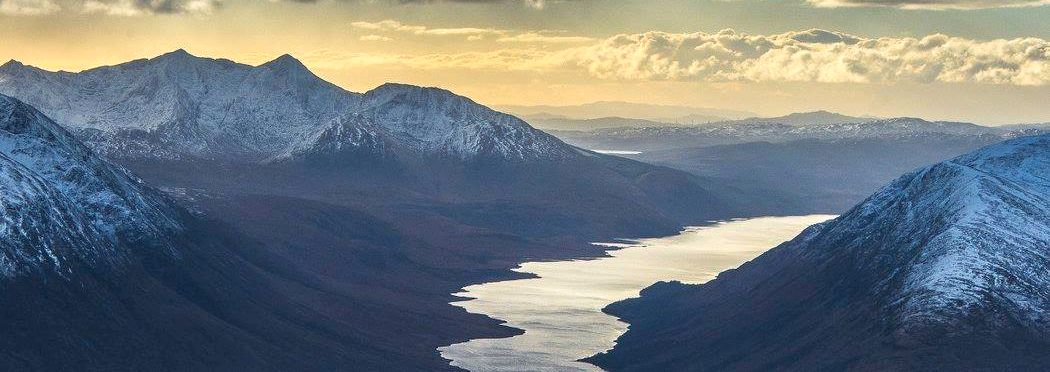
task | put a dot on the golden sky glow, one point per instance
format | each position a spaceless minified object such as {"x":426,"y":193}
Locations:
{"x":861,"y":57}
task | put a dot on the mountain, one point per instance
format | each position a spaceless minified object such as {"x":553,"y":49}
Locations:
{"x":813,"y":118}
{"x":798,"y":168}
{"x":625,"y":109}
{"x":181,"y":121}
{"x":178,"y":105}
{"x":66,"y":209}
{"x":814,"y":175}
{"x":944,"y":268}
{"x":348,"y":218}
{"x":100,"y":272}
{"x":767,"y":130}
{"x":567,"y":124}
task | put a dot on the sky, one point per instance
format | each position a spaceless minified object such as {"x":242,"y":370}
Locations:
{"x":984,"y":61}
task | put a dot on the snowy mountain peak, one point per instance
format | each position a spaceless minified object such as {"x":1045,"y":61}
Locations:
{"x":178,"y":106}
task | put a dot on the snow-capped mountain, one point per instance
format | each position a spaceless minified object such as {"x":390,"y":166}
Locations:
{"x":179,"y":106}
{"x":945,"y":267}
{"x":64,"y":206}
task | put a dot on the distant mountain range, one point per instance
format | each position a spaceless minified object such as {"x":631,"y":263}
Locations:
{"x":660,"y":113}
{"x":944,"y":268}
{"x":799,"y":163}
{"x":557,"y":123}
{"x":815,"y":125}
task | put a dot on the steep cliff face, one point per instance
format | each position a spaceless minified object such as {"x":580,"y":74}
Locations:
{"x":945,"y":267}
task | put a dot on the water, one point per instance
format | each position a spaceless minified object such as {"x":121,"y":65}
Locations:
{"x":561,"y":310}
{"x":618,"y":152}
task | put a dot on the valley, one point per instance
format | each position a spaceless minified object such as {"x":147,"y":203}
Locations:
{"x":183,"y":212}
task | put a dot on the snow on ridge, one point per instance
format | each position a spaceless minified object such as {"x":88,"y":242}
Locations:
{"x":180,"y":106}
{"x":62,"y":203}
{"x":436,"y":120}
{"x":967,"y":235}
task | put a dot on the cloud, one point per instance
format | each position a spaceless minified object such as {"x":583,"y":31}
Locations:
{"x":390,"y":25}
{"x":496,"y":60}
{"x":816,"y":56}
{"x":375,"y":38}
{"x":727,"y":56}
{"x":542,"y":38}
{"x":28,"y":7}
{"x":473,"y":33}
{"x":146,"y":7}
{"x":929,"y":4}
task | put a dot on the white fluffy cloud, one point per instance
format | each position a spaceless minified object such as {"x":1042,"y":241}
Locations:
{"x":801,"y":56}
{"x":815,"y":56}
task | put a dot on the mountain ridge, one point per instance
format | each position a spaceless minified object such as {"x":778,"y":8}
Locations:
{"x":943,"y":267}
{"x":177,"y":105}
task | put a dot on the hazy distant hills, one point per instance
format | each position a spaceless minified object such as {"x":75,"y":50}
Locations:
{"x":659,"y":113}
{"x":557,"y":123}
{"x":944,"y":268}
{"x":814,"y":125}
{"x":799,"y":163}
{"x":548,"y":121}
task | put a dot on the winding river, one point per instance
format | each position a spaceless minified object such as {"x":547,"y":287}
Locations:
{"x":560,"y":310}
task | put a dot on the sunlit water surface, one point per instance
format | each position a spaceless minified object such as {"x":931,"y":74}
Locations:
{"x":561,"y":310}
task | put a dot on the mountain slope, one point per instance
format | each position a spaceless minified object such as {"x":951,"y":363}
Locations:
{"x":99,"y":272}
{"x":944,"y":268}
{"x":63,"y":206}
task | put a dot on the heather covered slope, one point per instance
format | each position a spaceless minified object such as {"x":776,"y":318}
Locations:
{"x":944,"y":268}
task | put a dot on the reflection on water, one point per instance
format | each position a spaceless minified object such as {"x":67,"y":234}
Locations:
{"x":561,"y":310}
